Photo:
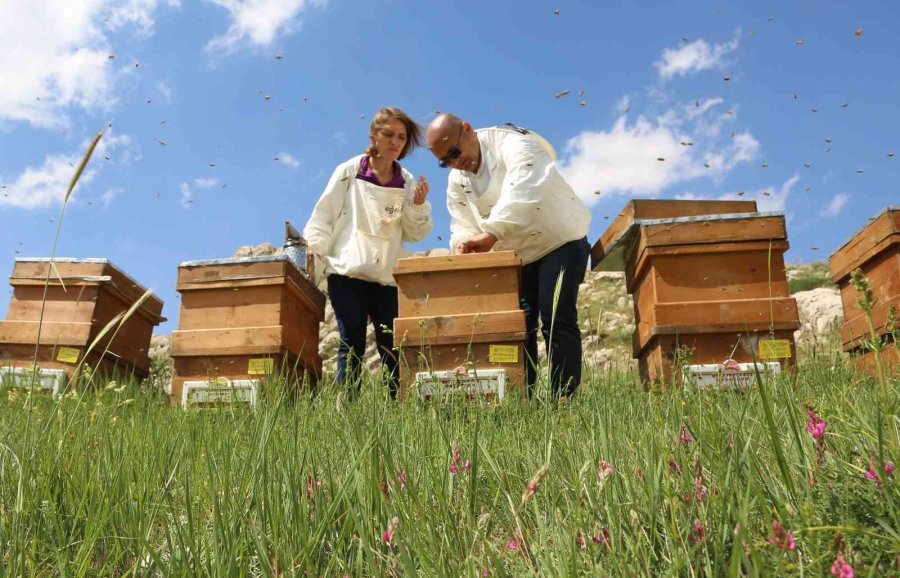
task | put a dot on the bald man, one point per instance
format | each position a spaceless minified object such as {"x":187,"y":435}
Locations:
{"x":505,"y":192}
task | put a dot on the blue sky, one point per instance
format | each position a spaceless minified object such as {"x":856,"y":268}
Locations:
{"x":258,"y":101}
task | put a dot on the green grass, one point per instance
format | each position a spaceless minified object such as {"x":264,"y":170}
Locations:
{"x":118,"y":483}
{"x":809,"y":276}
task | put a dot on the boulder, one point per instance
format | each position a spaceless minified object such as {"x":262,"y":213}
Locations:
{"x":820,"y":311}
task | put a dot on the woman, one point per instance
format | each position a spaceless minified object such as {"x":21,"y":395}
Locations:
{"x":369,"y":207}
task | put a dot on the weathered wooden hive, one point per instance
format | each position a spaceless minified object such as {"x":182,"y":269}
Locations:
{"x":708,"y":283}
{"x":83,"y":297}
{"x":876,"y":251}
{"x":460,"y":326}
{"x":244,"y":320}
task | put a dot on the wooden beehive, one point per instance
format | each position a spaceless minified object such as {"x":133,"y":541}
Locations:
{"x":460,"y":311}
{"x":876,"y":251}
{"x":83,"y":296}
{"x":247,"y":318}
{"x":708,"y":283}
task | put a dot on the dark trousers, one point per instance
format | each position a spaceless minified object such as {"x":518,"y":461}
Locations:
{"x":564,"y":344}
{"x":355,"y":302}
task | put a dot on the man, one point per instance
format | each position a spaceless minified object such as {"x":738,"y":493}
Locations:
{"x":505,"y":192}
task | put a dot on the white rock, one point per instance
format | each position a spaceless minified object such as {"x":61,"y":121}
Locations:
{"x":261,"y":250}
{"x":820,"y":312}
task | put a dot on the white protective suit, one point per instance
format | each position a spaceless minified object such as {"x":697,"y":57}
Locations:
{"x":517,"y":195}
{"x":358,"y":228}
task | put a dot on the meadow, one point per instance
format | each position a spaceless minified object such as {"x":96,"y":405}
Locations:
{"x":793,"y":477}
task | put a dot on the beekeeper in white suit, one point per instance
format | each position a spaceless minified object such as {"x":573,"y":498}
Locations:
{"x":505,"y":192}
{"x":370,"y":206}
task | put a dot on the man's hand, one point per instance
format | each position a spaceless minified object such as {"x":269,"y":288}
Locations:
{"x":421,"y":191}
{"x":478,"y":244}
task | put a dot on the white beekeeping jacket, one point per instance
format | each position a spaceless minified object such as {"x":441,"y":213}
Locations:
{"x":358,"y":228}
{"x":517,"y":195}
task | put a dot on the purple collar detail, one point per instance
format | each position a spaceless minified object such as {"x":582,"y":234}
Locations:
{"x":366,"y":173}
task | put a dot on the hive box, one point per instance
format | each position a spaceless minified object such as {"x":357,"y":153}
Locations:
{"x":460,"y":312}
{"x":83,"y":296}
{"x":876,"y":251}
{"x":708,"y":283}
{"x":245,"y":319}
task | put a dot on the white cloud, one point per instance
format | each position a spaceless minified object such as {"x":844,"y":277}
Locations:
{"x":699,"y":107}
{"x":110,"y":195}
{"x":259,"y":22}
{"x":54,"y":56}
{"x":776,"y":199}
{"x":164,"y":91}
{"x":45,"y":185}
{"x":626,"y":158}
{"x":288,"y":159}
{"x":186,"y":197}
{"x":768,"y":199}
{"x":206,"y":182}
{"x":694,"y":57}
{"x":137,"y":13}
{"x":837,"y":204}
{"x":624,"y":105}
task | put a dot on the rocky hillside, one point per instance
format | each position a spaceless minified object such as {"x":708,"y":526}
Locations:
{"x":606,"y":315}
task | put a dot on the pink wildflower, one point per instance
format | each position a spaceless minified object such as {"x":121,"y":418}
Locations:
{"x":889,"y":468}
{"x":841,"y":568}
{"x":699,"y":488}
{"x":781,"y":538}
{"x":454,"y":466}
{"x":871,"y":474}
{"x":516,"y":544}
{"x":602,"y":538}
{"x":485,"y":574}
{"x":684,"y":437}
{"x":697,"y":533}
{"x":605,"y":470}
{"x":815,"y":425}
{"x":579,"y":541}
{"x":467,"y":465}
{"x":312,"y":486}
{"x":401,"y":475}
{"x":388,"y":535}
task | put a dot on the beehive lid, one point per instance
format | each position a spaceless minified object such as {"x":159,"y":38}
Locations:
{"x":235,"y":261}
{"x":196,"y":274}
{"x":457,"y":262}
{"x":612,"y":251}
{"x":71,"y":271}
{"x":872,"y":239}
{"x":649,"y":209}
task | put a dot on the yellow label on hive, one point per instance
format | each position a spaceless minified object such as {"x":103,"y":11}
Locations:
{"x":67,"y":355}
{"x":261,"y":366}
{"x":503,"y":353}
{"x":774,"y":348}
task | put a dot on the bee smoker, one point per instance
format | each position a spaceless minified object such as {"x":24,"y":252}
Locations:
{"x":296,"y":250}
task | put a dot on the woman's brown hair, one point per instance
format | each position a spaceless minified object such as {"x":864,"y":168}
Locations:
{"x":382,"y":117}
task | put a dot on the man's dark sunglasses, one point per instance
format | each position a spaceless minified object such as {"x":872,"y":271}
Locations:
{"x":452,"y":154}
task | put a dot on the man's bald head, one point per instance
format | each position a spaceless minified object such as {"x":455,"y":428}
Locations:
{"x":454,"y":143}
{"x":442,"y":128}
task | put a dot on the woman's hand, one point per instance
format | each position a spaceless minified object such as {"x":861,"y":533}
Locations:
{"x":421,"y":191}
